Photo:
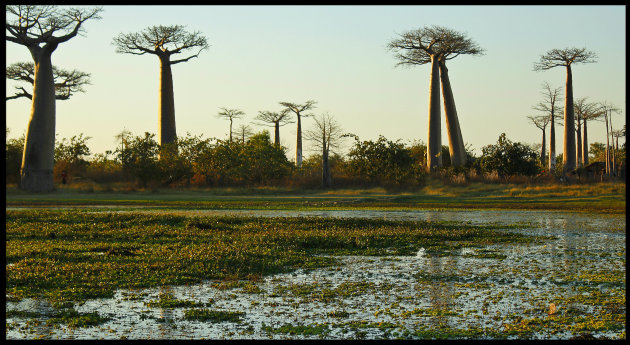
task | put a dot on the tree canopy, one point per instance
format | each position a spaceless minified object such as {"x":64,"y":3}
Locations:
{"x":66,"y":82}
{"x":160,"y":40}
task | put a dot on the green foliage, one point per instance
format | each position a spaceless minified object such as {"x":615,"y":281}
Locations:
{"x":13,"y":159}
{"x":509,"y":159}
{"x":70,"y":156}
{"x":139,"y":158}
{"x":384,"y":162}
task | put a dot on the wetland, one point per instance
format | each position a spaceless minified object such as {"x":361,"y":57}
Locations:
{"x":154,"y":273}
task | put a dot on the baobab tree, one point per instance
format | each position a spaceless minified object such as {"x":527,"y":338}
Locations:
{"x":582,"y":110}
{"x":607,"y":110}
{"x":163,"y":41}
{"x":591,"y":111}
{"x":326,"y":134}
{"x":298,"y":109}
{"x":566,"y":58}
{"x":230,"y":114}
{"x":66,"y":82}
{"x":549,"y":106}
{"x":436,"y":45}
{"x":244,"y":131}
{"x":41,"y":29}
{"x":277,"y":120}
{"x":541,"y":123}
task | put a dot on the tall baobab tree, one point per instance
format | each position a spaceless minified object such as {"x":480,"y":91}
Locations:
{"x":436,"y":45}
{"x":66,"y":82}
{"x":591,"y":111}
{"x":541,"y":123}
{"x":549,"y":106}
{"x":268,"y":118}
{"x":163,"y":41}
{"x":298,"y":109}
{"x":41,"y":29}
{"x":230,"y":114}
{"x":566,"y":58}
{"x":326,"y":134}
{"x":582,"y":110}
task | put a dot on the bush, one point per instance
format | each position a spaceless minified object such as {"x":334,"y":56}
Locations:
{"x":509,"y":159}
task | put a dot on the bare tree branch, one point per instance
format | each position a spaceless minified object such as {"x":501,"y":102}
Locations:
{"x":160,"y":40}
{"x":66,"y":82}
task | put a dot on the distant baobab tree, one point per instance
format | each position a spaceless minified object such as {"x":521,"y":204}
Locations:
{"x":163,"y":41}
{"x":298,"y":109}
{"x":244,"y":132}
{"x":42,"y":29}
{"x":566,"y":58}
{"x":326,"y":134}
{"x":436,"y":45}
{"x":541,"y":123}
{"x":277,"y":120}
{"x":230,"y":114}
{"x":582,"y":110}
{"x":591,"y":111}
{"x":66,"y":82}
{"x":549,"y":106}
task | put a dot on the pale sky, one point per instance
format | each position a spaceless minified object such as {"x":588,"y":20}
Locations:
{"x":337,"y":56}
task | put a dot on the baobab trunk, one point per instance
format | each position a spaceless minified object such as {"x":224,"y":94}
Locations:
{"x":434,"y":137}
{"x":579,"y":145}
{"x":166,"y":113}
{"x":568,"y":155}
{"x":614,"y":169}
{"x":39,"y":147}
{"x":543,"y":150}
{"x":298,"y":146}
{"x":277,"y":134}
{"x":607,"y":146}
{"x":552,"y":145}
{"x":455,"y":141}
{"x":326,"y":178}
{"x":585,"y":146}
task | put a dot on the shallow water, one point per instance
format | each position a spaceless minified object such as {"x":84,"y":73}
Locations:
{"x":390,"y":296}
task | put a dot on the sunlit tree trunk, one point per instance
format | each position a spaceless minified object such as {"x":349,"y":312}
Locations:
{"x":552,"y":144}
{"x":39,"y":147}
{"x":276,"y":139}
{"x":585,"y":145}
{"x":579,"y":143}
{"x":568,"y":155}
{"x":455,"y":141}
{"x":613,"y":165}
{"x":298,"y":146}
{"x":434,"y":140}
{"x":543,"y":150}
{"x":166,"y":122}
{"x":326,"y":178}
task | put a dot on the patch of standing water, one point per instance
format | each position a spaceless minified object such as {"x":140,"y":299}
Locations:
{"x":363,"y":295}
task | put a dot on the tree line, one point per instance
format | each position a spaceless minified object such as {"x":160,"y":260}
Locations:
{"x":41,"y":29}
{"x":138,"y":161}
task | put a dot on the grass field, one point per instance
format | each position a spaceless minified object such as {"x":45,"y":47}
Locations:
{"x":598,"y":197}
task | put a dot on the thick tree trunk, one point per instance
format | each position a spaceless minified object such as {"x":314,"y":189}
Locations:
{"x":585,"y":146}
{"x":613,"y":164}
{"x":230,"y":130}
{"x":276,"y":139}
{"x":607,"y":146}
{"x":455,"y":141}
{"x":298,"y":146}
{"x":39,"y":147}
{"x":166,"y":125}
{"x":326,"y":178}
{"x":579,"y":144}
{"x":434,"y":140}
{"x":568,"y":155}
{"x":543,"y":150}
{"x":552,"y":144}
